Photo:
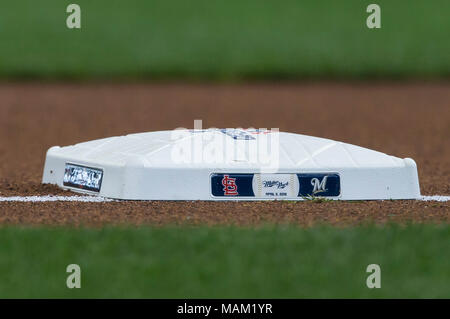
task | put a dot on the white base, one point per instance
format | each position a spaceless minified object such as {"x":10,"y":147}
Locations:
{"x":144,"y":167}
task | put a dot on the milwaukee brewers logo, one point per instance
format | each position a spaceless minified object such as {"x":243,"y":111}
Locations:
{"x":229,"y":186}
{"x":319,"y":186}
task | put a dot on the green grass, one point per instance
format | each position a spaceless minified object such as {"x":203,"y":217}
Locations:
{"x":226,"y":262}
{"x":224,"y":40}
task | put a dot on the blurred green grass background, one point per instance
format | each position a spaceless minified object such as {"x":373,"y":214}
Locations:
{"x":224,"y":40}
{"x":226,"y":262}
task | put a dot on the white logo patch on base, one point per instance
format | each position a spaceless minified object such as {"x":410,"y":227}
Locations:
{"x":275,"y":185}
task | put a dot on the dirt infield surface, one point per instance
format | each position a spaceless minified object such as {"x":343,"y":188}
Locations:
{"x":405,"y":120}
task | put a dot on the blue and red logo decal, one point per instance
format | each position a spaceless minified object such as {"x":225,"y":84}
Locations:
{"x":309,"y":184}
{"x":231,"y":185}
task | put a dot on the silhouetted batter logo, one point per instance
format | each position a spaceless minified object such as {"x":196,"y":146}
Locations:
{"x":229,"y":186}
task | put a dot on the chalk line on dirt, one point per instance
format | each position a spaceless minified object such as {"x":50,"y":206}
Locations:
{"x":436,"y":198}
{"x":96,"y":199}
{"x":49,"y":198}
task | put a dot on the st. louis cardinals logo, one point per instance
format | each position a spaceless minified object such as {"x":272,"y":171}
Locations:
{"x":229,"y":186}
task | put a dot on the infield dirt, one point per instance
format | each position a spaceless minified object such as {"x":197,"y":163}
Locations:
{"x":404,"y":120}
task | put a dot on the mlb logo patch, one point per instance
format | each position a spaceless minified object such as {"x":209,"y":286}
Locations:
{"x":237,"y":134}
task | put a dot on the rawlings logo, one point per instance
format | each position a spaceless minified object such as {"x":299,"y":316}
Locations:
{"x":229,"y":186}
{"x":278,"y":184}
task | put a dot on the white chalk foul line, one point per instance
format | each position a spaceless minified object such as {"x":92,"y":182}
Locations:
{"x":96,"y":199}
{"x":437,"y":198}
{"x":49,"y":198}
